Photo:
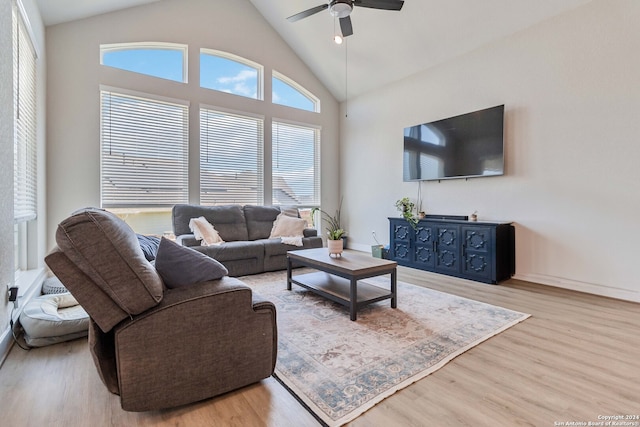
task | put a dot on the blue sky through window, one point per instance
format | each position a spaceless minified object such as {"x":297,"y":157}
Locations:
{"x":229,"y":76}
{"x":164,"y":63}
{"x":216,"y":72}
{"x":285,"y":94}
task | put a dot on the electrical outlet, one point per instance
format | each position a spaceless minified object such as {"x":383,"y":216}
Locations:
{"x":12,"y":292}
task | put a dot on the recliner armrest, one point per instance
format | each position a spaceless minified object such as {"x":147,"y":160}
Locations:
{"x":310,"y":232}
{"x":187,"y":240}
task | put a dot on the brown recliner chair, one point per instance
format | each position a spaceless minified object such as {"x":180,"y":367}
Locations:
{"x":158,"y":347}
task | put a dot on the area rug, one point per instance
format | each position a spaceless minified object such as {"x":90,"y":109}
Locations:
{"x":340,"y":368}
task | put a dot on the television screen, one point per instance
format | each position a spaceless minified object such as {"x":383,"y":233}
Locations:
{"x":464,"y":146}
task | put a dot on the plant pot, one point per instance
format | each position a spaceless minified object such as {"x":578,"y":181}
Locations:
{"x":335,"y":247}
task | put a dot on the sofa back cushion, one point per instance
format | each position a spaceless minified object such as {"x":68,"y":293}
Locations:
{"x":228,"y":220}
{"x":260,"y":220}
{"x":107,"y":251}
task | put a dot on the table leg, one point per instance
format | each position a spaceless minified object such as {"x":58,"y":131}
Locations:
{"x":289,"y":273}
{"x":394,"y":289}
{"x":353,"y":299}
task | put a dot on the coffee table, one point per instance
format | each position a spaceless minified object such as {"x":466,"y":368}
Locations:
{"x":337,"y":278}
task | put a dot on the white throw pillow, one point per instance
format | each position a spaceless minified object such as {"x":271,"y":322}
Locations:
{"x":203,"y":230}
{"x":289,"y":229}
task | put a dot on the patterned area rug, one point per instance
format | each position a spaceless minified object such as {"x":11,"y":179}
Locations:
{"x":339,"y":368}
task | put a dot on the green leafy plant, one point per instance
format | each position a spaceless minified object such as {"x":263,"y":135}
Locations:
{"x":406,"y":206}
{"x":334,"y":229}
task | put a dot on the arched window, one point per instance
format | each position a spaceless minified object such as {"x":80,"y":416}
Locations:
{"x":285,"y":91}
{"x":230,"y":73}
{"x":163,"y":60}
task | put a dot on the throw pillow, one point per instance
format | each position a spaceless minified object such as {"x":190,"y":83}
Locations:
{"x":289,"y":229}
{"x":182,"y":266}
{"x":203,"y":230}
{"x":53,"y":285}
{"x":149,"y":246}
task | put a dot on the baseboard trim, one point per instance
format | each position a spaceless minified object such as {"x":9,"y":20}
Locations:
{"x":6,"y":342}
{"x":558,"y":282}
{"x":576,"y":285}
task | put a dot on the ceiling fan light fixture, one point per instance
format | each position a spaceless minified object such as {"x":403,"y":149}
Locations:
{"x":337,"y":39}
{"x":340,"y":9}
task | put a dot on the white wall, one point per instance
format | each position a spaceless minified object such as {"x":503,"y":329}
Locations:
{"x":75,"y":75}
{"x":572,"y":184}
{"x":37,"y":231}
{"x":6,"y":164}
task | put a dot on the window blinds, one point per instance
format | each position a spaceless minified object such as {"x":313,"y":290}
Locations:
{"x":24,"y":96}
{"x":144,"y":151}
{"x":231,"y":158}
{"x":295,"y":164}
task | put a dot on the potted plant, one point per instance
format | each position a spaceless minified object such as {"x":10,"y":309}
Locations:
{"x":406,"y":206}
{"x":335,"y":233}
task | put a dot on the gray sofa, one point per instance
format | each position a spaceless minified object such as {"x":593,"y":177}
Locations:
{"x":245,"y":230}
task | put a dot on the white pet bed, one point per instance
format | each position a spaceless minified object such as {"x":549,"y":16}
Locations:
{"x":54,"y":318}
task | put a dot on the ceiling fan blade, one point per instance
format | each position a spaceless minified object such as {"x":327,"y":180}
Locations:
{"x":345,"y":26}
{"x":380,"y":4}
{"x":306,"y":13}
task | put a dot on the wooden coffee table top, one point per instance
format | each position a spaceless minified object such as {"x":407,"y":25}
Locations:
{"x":350,"y":264}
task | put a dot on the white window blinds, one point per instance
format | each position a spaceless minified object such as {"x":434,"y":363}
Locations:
{"x":144,"y":153}
{"x":24,"y":144}
{"x":295,"y":164}
{"x":231,"y":158}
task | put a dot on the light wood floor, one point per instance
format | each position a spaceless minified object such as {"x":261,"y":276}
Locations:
{"x":576,"y":358}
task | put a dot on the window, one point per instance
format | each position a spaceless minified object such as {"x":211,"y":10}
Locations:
{"x":295,"y":164}
{"x":164,"y":60}
{"x":231,"y":158}
{"x":230,"y":73}
{"x":144,"y":150}
{"x":285,"y":91}
{"x":25,"y":140}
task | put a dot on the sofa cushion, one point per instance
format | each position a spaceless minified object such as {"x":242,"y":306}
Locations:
{"x":106,"y":249}
{"x":228,"y":220}
{"x":260,"y":220}
{"x":183,"y":266}
{"x":231,"y":251}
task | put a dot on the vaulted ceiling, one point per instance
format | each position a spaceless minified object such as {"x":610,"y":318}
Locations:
{"x":386,"y":45}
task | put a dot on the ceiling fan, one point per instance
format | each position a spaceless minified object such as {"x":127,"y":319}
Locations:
{"x":342,"y":9}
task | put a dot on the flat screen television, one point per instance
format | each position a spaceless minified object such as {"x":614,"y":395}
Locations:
{"x":465,"y":146}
